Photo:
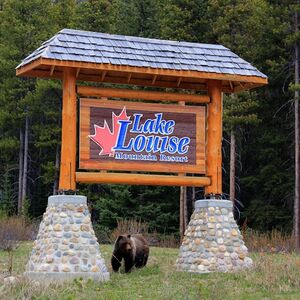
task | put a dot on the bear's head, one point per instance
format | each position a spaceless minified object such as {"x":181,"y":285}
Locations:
{"x":124,"y":243}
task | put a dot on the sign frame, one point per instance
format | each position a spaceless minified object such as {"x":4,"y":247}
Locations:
{"x":85,"y":161}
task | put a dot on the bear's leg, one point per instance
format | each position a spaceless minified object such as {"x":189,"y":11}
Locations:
{"x":116,"y":261}
{"x":145,"y":259}
{"x":139,"y":261}
{"x":129,"y":263}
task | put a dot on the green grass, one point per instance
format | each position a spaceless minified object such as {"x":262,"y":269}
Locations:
{"x":275,"y":276}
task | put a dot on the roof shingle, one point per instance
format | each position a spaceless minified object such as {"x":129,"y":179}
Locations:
{"x":85,"y":46}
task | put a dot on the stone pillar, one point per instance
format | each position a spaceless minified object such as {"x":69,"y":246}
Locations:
{"x":212,"y":241}
{"x":66,"y":246}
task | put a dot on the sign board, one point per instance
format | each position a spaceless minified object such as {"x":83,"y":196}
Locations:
{"x":135,"y":136}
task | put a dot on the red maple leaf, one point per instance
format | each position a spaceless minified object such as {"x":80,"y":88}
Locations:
{"x":106,"y":138}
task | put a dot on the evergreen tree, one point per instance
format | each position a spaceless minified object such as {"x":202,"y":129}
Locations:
{"x":93,"y":15}
{"x":24,"y":25}
{"x":260,"y":31}
{"x":239,"y":112}
{"x":65,"y":13}
{"x":184,"y":20}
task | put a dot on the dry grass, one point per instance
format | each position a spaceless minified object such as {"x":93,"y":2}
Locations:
{"x":14,"y":230}
{"x":278,"y":272}
{"x":129,"y":226}
{"x":133,"y":226}
{"x":272,"y":242}
{"x":275,"y":276}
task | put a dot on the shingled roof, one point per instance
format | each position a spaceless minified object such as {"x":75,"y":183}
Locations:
{"x":84,"y":47}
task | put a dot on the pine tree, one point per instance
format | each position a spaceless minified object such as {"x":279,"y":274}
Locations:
{"x":184,"y":20}
{"x":236,"y":25}
{"x":93,"y":15}
{"x":24,"y":25}
{"x":239,"y":111}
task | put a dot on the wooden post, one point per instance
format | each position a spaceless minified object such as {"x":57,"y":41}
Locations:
{"x":68,"y":134}
{"x":214,"y":138}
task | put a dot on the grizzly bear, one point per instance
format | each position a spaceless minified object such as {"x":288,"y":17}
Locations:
{"x":133,"y":248}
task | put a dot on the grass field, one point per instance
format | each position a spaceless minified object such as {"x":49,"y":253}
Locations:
{"x":275,"y":276}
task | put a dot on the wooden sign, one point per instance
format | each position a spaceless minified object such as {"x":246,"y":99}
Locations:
{"x":135,"y":136}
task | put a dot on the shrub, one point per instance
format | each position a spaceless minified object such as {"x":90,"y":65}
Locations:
{"x":134,"y":226}
{"x":14,"y":230}
{"x":103,"y":234}
{"x":129,"y":226}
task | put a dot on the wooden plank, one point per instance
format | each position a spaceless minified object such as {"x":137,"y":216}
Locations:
{"x":141,"y":179}
{"x":77,"y":72}
{"x":145,"y":82}
{"x":57,"y":74}
{"x":189,"y":84}
{"x":103,"y":75}
{"x":140,"y":167}
{"x":145,"y":95}
{"x":154,"y":79}
{"x":28,"y":67}
{"x":52,"y":70}
{"x":178,"y":81}
{"x":83,"y":141}
{"x":88,"y":102}
{"x":45,"y":74}
{"x":85,"y":161}
{"x":214,"y":139}
{"x":144,"y":70}
{"x":121,"y":80}
{"x":68,"y":135}
{"x":129,"y":77}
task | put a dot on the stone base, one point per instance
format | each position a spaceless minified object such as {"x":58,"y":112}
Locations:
{"x":66,"y":246}
{"x":212,"y":241}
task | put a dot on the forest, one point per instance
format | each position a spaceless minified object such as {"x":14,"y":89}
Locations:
{"x":261,"y":122}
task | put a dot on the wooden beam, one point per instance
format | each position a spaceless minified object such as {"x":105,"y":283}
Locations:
{"x":142,"y":70}
{"x":214,"y":139}
{"x":28,"y":67}
{"x":57,"y":74}
{"x":122,"y":80}
{"x":77,"y":72}
{"x":178,"y":81}
{"x":155,"y":71}
{"x":129,"y":77}
{"x":45,"y":74}
{"x":52,"y":70}
{"x":242,"y":86}
{"x":154,"y":79}
{"x":103,"y":74}
{"x":68,"y":134}
{"x":145,"y":82}
{"x":141,"y":179}
{"x":136,"y":94}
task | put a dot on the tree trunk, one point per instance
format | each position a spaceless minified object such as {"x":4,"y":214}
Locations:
{"x":193,"y":198}
{"x":20,"y":198}
{"x":25,"y":165}
{"x":55,"y":184}
{"x":232,"y":166}
{"x":185,"y":207}
{"x":182,"y":212}
{"x":297,"y":165}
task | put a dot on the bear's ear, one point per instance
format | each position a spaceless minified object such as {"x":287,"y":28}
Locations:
{"x":129,"y":236}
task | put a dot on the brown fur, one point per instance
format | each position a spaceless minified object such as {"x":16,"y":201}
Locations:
{"x":134,"y":249}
